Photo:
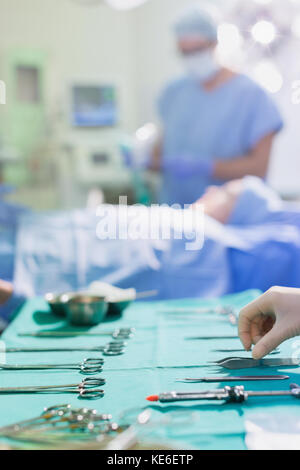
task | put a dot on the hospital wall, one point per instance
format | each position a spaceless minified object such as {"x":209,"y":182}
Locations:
{"x":79,"y":44}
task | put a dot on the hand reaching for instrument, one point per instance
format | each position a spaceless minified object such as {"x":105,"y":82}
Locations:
{"x":6,"y":290}
{"x":270,"y":320}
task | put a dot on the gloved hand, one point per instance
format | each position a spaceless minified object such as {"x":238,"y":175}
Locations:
{"x":269,"y":320}
{"x":184,"y":167}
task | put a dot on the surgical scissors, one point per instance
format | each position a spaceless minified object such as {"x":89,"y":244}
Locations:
{"x":88,"y":366}
{"x":119,"y":333}
{"x":85,"y":389}
{"x":114,"y":348}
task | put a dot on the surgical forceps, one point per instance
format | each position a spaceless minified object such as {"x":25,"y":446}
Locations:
{"x":119,"y":333}
{"x":85,"y":389}
{"x":228,"y":350}
{"x":88,"y":366}
{"x":114,"y":348}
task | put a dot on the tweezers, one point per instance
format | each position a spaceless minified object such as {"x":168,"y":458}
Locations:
{"x":228,"y":350}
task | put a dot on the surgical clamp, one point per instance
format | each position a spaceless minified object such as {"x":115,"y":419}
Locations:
{"x":85,"y":389}
{"x":88,"y":366}
{"x":114,"y":348}
{"x":120,"y":333}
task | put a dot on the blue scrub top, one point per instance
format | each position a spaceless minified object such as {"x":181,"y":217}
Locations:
{"x":221,"y":124}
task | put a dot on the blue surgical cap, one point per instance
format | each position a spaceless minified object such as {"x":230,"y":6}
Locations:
{"x":197,"y":21}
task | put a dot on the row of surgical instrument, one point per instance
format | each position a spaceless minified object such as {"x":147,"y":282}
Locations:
{"x":120,"y":333}
{"x":114,"y":348}
{"x":236,"y":394}
{"x":85,"y":389}
{"x":88,"y":366}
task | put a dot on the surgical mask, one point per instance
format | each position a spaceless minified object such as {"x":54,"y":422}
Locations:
{"x":201,"y":65}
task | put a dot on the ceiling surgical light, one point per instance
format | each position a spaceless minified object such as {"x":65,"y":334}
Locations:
{"x":124,"y":4}
{"x":116,"y":4}
{"x":264,"y":32}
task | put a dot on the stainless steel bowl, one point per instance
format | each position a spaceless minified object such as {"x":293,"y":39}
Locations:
{"x":58,"y":302}
{"x":86,"y":310}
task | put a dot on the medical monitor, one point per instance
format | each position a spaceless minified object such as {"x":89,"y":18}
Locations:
{"x":94,"y":106}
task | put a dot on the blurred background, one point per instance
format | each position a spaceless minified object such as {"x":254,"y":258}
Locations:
{"x":83,"y":75}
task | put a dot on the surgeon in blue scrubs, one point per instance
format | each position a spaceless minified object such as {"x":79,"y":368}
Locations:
{"x":217,"y":125}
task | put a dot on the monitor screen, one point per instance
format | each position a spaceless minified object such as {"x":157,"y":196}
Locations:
{"x":94,"y":106}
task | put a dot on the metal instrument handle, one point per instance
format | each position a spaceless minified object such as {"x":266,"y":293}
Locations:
{"x":91,"y":394}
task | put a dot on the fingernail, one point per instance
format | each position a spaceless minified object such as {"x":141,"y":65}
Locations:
{"x":256,"y":356}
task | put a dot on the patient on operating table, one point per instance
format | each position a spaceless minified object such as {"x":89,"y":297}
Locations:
{"x":252,"y":240}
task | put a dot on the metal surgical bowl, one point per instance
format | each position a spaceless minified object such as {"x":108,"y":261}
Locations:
{"x":86,"y":310}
